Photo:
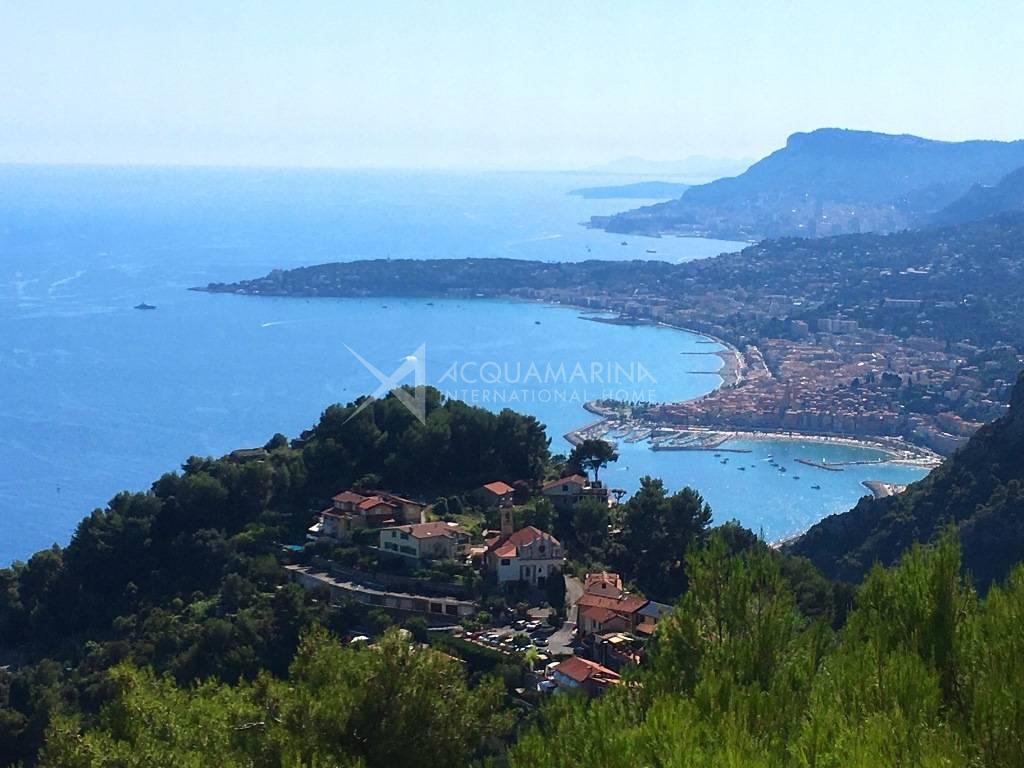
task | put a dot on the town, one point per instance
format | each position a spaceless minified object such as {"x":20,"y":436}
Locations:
{"x":511,"y":594}
{"x":913,"y":335}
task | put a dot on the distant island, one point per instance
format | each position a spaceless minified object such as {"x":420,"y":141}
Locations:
{"x":829,"y":182}
{"x":913,"y":336}
{"x":647,"y":190}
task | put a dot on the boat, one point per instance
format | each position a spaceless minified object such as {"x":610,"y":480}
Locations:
{"x":718,"y":455}
{"x":796,"y":477}
{"x":651,"y":251}
{"x":816,"y":487}
{"x":624,"y":243}
{"x":782,"y":469}
{"x":144,"y":305}
{"x":742,"y":469}
{"x":536,"y":322}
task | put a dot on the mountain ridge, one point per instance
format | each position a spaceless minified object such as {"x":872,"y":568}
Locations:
{"x":826,"y":182}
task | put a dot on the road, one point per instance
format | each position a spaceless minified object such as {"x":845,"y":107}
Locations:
{"x":560,"y":643}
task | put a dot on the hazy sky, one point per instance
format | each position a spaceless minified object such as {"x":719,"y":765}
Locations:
{"x":486,"y":84}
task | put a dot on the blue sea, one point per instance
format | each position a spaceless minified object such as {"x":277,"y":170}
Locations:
{"x":96,"y":397}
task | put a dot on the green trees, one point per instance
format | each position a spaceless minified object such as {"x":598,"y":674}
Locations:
{"x":390,"y":706}
{"x":592,"y":455}
{"x":658,"y":529}
{"x":923,"y":674}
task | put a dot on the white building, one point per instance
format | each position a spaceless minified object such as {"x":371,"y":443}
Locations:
{"x":528,"y":555}
{"x":425,"y":541}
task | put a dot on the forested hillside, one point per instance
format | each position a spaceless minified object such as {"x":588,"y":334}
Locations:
{"x":980,"y":490}
{"x":187,"y":577}
{"x":923,"y":674}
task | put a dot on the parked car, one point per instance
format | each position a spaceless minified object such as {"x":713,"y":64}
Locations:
{"x":519,"y":625}
{"x":540,"y":642}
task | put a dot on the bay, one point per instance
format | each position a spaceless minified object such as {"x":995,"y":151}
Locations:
{"x":96,"y":396}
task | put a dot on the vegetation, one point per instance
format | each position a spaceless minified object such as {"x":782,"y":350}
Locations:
{"x":592,"y":455}
{"x":391,"y":706}
{"x":980,"y":490}
{"x":187,"y":578}
{"x":163,"y":635}
{"x":922,"y":674}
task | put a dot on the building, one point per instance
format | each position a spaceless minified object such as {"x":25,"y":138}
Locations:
{"x":496,"y":494}
{"x":351,"y":511}
{"x":425,"y":541}
{"x":528,"y":555}
{"x":566,"y":492}
{"x":599,"y":615}
{"x":650,"y":616}
{"x":577,"y":673}
{"x":604,"y":583}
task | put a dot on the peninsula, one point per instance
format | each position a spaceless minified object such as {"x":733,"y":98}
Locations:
{"x":912,"y":336}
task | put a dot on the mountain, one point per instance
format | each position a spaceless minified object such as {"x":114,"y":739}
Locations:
{"x":827,"y":182}
{"x":649,"y":190}
{"x":979,"y":490}
{"x":982,"y":201}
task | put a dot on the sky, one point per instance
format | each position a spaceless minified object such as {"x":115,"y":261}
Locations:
{"x":513,"y":85}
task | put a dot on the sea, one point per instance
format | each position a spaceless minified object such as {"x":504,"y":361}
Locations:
{"x":98,"y":397}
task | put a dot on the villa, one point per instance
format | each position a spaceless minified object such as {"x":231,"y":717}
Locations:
{"x":567,"y":492}
{"x":425,"y":541}
{"x":351,"y":511}
{"x":528,"y":555}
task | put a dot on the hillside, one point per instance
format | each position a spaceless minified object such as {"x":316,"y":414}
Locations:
{"x":982,"y":201}
{"x":829,"y":182}
{"x":980,"y":490}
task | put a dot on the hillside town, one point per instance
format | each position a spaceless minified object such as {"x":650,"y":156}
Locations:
{"x":511,"y":592}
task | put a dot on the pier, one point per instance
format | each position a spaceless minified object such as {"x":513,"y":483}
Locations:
{"x":819,"y":465}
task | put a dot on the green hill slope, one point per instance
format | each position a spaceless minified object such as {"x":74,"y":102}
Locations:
{"x":980,"y":490}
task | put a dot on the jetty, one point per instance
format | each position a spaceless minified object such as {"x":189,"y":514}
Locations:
{"x":819,"y":465}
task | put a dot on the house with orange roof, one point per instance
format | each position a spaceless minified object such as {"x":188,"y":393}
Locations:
{"x":599,"y":614}
{"x":528,"y":555}
{"x":350,"y":511}
{"x":576,"y":673}
{"x":604,"y":583}
{"x":496,"y":494}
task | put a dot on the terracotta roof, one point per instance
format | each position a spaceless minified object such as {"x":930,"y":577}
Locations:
{"x":577,"y":479}
{"x":432,"y":530}
{"x":498,"y":488}
{"x":604,"y":581}
{"x":598,"y":614}
{"x":619,"y":605}
{"x":510,"y":546}
{"x":582,"y":670}
{"x":375,"y":501}
{"x":348,"y":496}
{"x":530,"y":534}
